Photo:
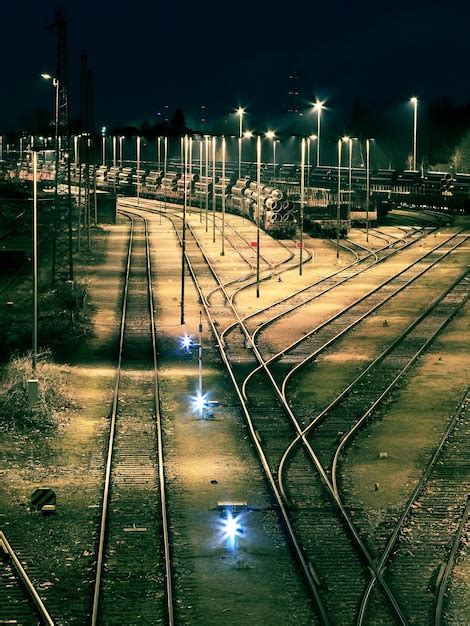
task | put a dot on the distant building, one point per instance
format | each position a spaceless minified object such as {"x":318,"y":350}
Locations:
{"x":292,"y":106}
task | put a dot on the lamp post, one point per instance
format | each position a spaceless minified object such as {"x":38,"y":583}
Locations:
{"x":75,"y":149}
{"x":240,"y":113}
{"x":214,"y":140}
{"x":121,"y":138}
{"x":258,"y":220}
{"x":183,"y":241}
{"x":35,"y":263}
{"x":309,"y":139}
{"x":350,"y":140}
{"x":414,"y":102}
{"x":222,"y":252}
{"x":367,"y":185}
{"x":138,"y":169}
{"x":340,"y":142}
{"x":302,"y":201}
{"x":159,"y":153}
{"x":318,"y":107}
{"x":270,"y":134}
{"x":114,"y":150}
{"x":165,"y":163}
{"x":103,"y":148}
{"x":206,"y":141}
{"x":201,"y":155}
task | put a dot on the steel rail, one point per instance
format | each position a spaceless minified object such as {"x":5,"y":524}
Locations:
{"x":373,"y":309}
{"x":450,"y":564}
{"x":318,"y":282}
{"x":112,"y":431}
{"x":26,"y":581}
{"x":341,"y":509}
{"x":304,"y":562}
{"x":315,"y":421}
{"x":300,"y":340}
{"x":159,"y":431}
{"x":406,"y":509}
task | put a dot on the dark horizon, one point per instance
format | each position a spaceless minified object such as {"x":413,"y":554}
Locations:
{"x":187,"y":60}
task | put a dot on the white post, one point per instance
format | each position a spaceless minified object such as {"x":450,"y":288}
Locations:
{"x":35,"y":262}
{"x":258,"y":179}
{"x":302,"y":201}
{"x":114,"y":151}
{"x":223,"y":197}
{"x":339,"y":198}
{"x":138,"y":170}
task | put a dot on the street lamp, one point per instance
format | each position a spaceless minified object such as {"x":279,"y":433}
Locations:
{"x":214,"y":145}
{"x":340,"y":145}
{"x":206,"y":142}
{"x":183,"y":242}
{"x":367,"y":185}
{"x":114,"y":152}
{"x":240,"y":113}
{"x":222,"y":253}
{"x":258,"y":179}
{"x":350,"y":140}
{"x":103,"y":137}
{"x":138,"y":169}
{"x":414,"y":102}
{"x":318,"y":107}
{"x":309,"y":139}
{"x":120,"y":150}
{"x":270,"y":134}
{"x":302,"y":202}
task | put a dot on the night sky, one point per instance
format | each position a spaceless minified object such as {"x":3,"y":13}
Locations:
{"x":143,"y":56}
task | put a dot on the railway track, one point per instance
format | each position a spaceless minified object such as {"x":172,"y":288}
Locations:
{"x":436,"y":261}
{"x":203,"y":281}
{"x":133,"y":581}
{"x":20,"y":602}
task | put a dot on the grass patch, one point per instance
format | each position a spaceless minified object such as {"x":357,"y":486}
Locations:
{"x":15,"y":412}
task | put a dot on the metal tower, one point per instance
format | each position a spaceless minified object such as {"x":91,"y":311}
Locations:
{"x":62,"y":253}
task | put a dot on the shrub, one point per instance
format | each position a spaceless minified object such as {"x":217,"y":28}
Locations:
{"x":15,"y":412}
{"x":65,"y":318}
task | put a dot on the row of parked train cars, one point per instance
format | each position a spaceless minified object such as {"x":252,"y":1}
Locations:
{"x":279,"y":197}
{"x":277,"y":213}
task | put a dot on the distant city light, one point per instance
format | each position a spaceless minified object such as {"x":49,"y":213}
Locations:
{"x":270,"y":134}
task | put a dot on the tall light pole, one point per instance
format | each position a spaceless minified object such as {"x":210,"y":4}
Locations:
{"x":206,"y":142}
{"x":201,"y":156}
{"x":165,"y":163}
{"x":367,"y":185}
{"x":350,"y":141}
{"x":214,"y":144}
{"x":258,"y":220}
{"x":114,"y":150}
{"x":240,"y":113}
{"x":159,"y":153}
{"x":340,"y":142}
{"x":318,"y":107}
{"x":302,"y":201}
{"x":183,"y":241}
{"x":103,"y":148}
{"x":222,"y":253}
{"x":138,"y":169}
{"x":270,"y":134}
{"x":35,"y":263}
{"x":309,"y":139}
{"x":414,"y":102}
{"x":121,"y":138}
